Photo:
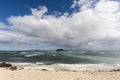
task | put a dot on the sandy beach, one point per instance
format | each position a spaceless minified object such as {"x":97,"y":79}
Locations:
{"x":27,"y":74}
{"x":57,"y":72}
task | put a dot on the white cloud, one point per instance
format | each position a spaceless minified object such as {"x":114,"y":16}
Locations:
{"x":2,"y":26}
{"x":40,"y":13}
{"x":11,"y":37}
{"x":93,"y":27}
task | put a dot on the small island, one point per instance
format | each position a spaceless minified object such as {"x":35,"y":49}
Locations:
{"x":60,"y":50}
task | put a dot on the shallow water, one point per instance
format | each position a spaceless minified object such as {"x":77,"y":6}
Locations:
{"x":63,"y":57}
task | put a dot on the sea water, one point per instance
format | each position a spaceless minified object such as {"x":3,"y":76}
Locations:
{"x":74,"y":59}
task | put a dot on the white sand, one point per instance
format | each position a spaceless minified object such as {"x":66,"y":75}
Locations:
{"x":27,"y":74}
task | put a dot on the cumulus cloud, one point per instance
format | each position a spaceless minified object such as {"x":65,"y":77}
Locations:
{"x":2,"y":26}
{"x":10,"y":37}
{"x":95,"y":26}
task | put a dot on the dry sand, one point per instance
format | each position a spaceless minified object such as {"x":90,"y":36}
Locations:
{"x":57,"y":75}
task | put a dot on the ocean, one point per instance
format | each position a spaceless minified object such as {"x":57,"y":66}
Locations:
{"x":106,"y":59}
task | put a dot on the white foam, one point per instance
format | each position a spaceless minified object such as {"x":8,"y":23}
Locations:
{"x":34,"y":54}
{"x":75,"y":67}
{"x":102,"y":52}
{"x":91,"y":67}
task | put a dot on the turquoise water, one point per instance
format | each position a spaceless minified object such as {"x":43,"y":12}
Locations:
{"x":62,"y":57}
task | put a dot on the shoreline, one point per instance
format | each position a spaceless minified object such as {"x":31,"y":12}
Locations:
{"x":56,"y":72}
{"x":68,"y":67}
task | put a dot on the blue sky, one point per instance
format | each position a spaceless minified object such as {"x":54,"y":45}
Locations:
{"x":22,"y":7}
{"x":52,"y":24}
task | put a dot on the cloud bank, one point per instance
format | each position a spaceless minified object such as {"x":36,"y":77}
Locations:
{"x":96,"y":25}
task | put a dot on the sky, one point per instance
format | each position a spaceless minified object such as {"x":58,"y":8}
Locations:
{"x":53,"y":24}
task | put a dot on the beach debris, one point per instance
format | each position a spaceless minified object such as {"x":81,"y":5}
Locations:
{"x":21,"y":68}
{"x":118,"y":69}
{"x":13,"y":68}
{"x":44,"y":69}
{"x":4,"y":64}
{"x":8,"y":66}
{"x":64,"y":69}
{"x":75,"y":70}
